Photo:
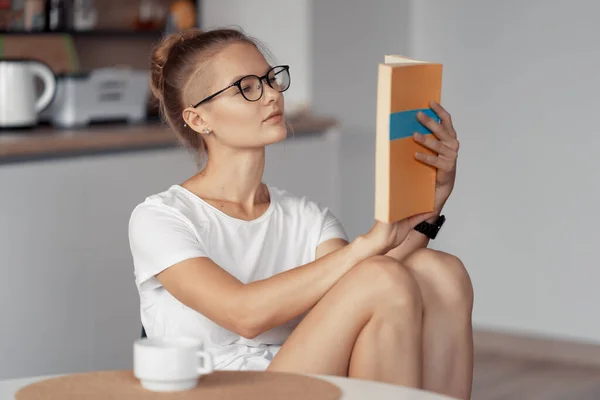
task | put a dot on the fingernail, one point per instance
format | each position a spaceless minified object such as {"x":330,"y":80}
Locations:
{"x":417,"y":135}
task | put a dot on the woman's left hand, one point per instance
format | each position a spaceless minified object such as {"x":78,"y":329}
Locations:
{"x":444,"y":143}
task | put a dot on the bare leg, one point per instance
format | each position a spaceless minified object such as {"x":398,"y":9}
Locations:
{"x":388,"y":349}
{"x":375,"y":301}
{"x":447,"y":330}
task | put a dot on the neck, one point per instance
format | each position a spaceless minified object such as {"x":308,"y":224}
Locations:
{"x":234,"y":176}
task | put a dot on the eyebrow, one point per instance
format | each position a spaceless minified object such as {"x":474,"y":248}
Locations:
{"x":241,"y":76}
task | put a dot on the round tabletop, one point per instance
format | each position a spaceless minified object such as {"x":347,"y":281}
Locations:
{"x":352,"y":389}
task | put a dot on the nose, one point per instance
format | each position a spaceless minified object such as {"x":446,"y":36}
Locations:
{"x":269,"y":94}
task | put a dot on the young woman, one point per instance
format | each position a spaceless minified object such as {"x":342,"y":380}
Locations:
{"x":268,"y":279}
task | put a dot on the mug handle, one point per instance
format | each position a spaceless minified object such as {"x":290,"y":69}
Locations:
{"x":45,"y":73}
{"x":206,"y":366}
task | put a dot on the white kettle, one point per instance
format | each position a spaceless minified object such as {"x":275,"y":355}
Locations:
{"x":19,"y":101}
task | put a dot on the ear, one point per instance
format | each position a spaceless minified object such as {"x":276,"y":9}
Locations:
{"x":194,"y":119}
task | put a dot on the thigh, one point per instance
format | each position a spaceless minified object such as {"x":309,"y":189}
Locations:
{"x":323,"y":342}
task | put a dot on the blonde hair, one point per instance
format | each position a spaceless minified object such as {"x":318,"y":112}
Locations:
{"x":175,"y":61}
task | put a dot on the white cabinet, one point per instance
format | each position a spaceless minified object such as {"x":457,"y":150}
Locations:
{"x":67,"y":295}
{"x":43,"y":289}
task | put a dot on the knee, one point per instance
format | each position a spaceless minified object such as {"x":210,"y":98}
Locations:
{"x":389,"y":286}
{"x":445,"y":277}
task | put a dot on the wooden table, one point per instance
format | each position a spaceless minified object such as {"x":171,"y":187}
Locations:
{"x":352,"y":389}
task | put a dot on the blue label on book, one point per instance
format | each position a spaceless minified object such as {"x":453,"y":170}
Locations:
{"x":403,"y":124}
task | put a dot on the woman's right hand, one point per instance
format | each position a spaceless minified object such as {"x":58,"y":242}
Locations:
{"x":387,"y":236}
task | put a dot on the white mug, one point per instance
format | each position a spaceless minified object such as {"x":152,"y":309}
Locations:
{"x":170,"y":363}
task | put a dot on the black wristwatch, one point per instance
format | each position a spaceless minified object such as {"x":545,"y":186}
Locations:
{"x":431,"y":230}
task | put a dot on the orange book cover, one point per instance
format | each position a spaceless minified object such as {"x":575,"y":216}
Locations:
{"x":404,"y":186}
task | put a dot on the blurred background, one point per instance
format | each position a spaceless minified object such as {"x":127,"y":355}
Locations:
{"x":521,"y":83}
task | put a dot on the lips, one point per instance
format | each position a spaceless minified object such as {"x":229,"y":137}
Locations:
{"x":273,"y":114}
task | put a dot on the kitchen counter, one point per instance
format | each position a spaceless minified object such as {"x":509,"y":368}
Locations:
{"x":47,"y":142}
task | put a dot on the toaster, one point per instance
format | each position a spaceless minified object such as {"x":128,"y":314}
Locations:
{"x":100,"y":95}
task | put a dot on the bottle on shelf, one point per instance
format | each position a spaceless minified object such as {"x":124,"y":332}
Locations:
{"x":150,"y":16}
{"x":182,"y":16}
{"x":59,"y":16}
{"x":85,"y":15}
{"x":34,"y":15}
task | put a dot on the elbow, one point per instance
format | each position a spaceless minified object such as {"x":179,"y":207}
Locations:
{"x":248,"y":323}
{"x":248,"y":331}
{"x":248,"y":326}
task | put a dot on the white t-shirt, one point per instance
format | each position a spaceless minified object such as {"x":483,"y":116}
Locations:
{"x":176,"y":225}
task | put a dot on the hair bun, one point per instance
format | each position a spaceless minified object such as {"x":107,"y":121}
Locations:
{"x":160,"y":56}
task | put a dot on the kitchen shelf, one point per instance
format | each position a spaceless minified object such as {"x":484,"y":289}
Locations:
{"x":47,"y":142}
{"x":92,"y":33}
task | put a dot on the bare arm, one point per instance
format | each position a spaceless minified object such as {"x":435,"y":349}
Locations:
{"x":415,"y":240}
{"x":253,"y":308}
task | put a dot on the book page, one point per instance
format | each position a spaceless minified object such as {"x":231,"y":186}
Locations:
{"x":395,"y":59}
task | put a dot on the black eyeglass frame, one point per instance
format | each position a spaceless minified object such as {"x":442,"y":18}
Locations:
{"x":239,"y":82}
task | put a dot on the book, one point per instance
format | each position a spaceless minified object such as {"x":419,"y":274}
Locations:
{"x":404,"y":186}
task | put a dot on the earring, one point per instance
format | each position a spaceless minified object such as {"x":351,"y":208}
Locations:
{"x":207,"y":131}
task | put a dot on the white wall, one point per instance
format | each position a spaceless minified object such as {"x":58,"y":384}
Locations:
{"x":283,"y":25}
{"x":349,"y":38}
{"x":521,"y":80}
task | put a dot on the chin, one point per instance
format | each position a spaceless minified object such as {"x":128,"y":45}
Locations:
{"x":275,"y":133}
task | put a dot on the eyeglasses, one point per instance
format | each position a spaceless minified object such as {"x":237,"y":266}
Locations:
{"x":251,"y":86}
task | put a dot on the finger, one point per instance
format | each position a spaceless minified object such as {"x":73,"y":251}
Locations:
{"x":417,"y":219}
{"x":435,"y":127}
{"x":445,"y":117}
{"x":441,"y":132}
{"x":442,"y":163}
{"x":432,"y":143}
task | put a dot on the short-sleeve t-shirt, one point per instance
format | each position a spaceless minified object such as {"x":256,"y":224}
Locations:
{"x":175,"y":225}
